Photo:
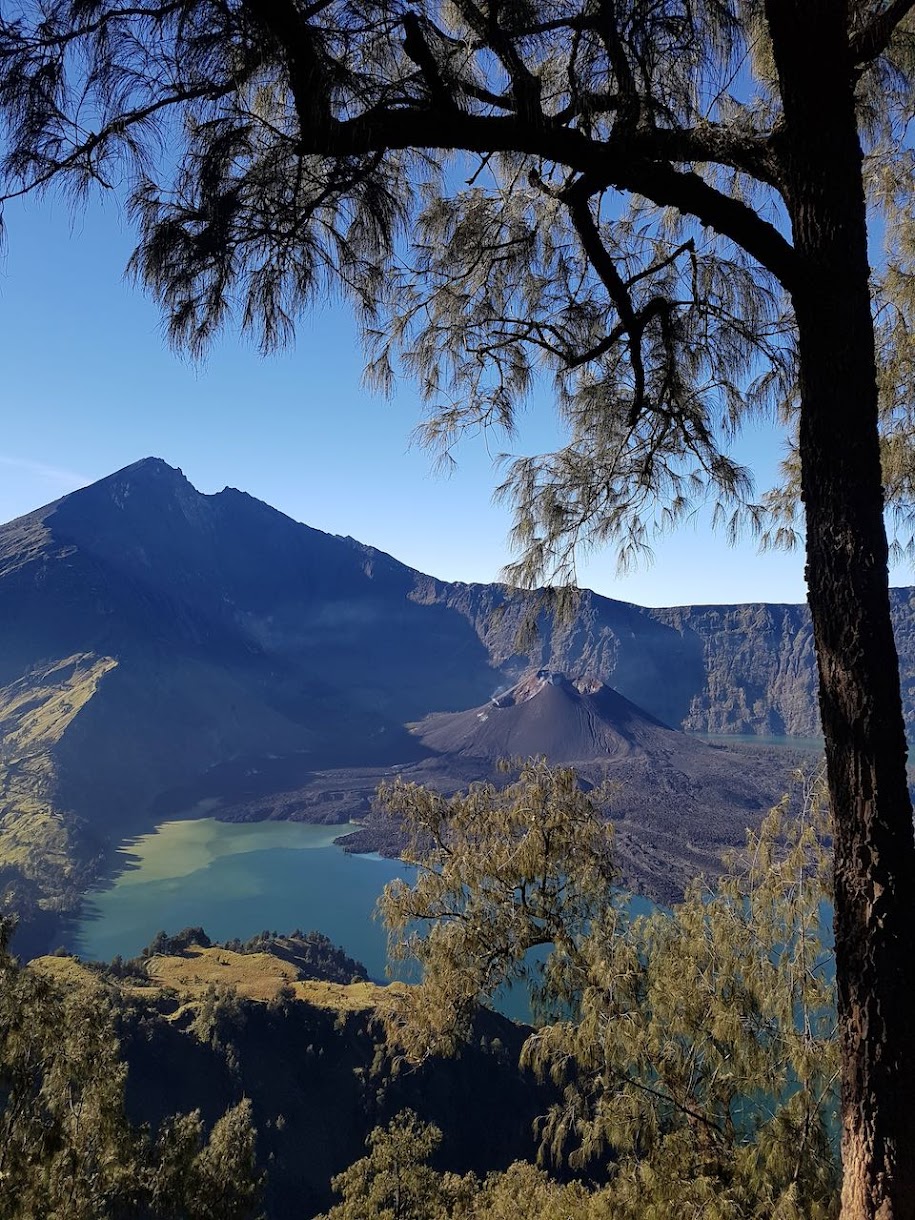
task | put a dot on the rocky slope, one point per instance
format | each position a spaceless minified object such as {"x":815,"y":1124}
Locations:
{"x":677,"y":803}
{"x":706,"y":669}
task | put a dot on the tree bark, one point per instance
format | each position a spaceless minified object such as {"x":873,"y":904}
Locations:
{"x":847,"y":580}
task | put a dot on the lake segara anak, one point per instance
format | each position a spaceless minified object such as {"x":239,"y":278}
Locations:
{"x":238,"y":879}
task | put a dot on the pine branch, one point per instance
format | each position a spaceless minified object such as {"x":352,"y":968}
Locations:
{"x":871,"y":42}
{"x":626,"y":164}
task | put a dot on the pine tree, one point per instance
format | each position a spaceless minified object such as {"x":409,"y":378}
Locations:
{"x":695,"y":1048}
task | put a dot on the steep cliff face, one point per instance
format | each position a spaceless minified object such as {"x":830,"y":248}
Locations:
{"x":759,"y":669}
{"x":706,"y":669}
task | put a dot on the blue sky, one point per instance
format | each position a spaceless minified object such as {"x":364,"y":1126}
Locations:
{"x":89,"y":385}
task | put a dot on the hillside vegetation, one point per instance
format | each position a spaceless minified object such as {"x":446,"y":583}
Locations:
{"x":205,"y":1027}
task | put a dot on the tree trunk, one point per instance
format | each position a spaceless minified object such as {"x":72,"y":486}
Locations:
{"x":847,"y":580}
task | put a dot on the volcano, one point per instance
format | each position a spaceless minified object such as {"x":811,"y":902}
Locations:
{"x":677,"y":802}
{"x":548,"y":714}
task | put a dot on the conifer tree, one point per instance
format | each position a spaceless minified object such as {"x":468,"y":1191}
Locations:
{"x":694,"y":1049}
{"x":393,"y":1181}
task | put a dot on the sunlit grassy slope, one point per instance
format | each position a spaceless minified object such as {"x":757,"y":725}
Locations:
{"x":41,"y":862}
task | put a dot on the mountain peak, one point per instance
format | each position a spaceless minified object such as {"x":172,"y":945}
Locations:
{"x":149,"y":469}
{"x":532,"y":685}
{"x":152,"y":465}
{"x":128,"y":499}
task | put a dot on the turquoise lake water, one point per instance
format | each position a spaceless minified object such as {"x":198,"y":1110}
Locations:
{"x":238,"y":879}
{"x":235,"y":880}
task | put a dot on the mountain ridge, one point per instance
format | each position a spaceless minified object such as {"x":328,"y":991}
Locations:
{"x":224,"y":630}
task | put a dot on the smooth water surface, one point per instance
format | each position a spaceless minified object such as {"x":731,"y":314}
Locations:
{"x":235,"y":880}
{"x":811,"y":744}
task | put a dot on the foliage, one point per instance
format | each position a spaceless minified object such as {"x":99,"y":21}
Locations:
{"x":659,"y":204}
{"x":393,"y":1182}
{"x":67,"y":1149}
{"x":489,"y":878}
{"x":162,"y":944}
{"x":209,"y":1179}
{"x":695,"y":1048}
{"x":314,"y":955}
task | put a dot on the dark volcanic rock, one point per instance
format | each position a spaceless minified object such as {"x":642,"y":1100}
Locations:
{"x":546,"y":714}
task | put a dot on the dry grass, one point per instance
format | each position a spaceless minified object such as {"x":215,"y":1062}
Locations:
{"x":256,"y":976}
{"x":67,"y":971}
{"x":35,"y":712}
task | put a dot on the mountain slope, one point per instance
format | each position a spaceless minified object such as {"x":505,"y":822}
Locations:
{"x":216,"y":629}
{"x":173,"y":643}
{"x":312,"y":1058}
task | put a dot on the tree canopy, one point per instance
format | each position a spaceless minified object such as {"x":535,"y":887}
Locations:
{"x":695,"y":1048}
{"x":590,"y":189}
{"x":67,"y":1148}
{"x":593,"y":190}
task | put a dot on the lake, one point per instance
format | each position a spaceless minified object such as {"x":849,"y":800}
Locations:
{"x":237,"y":879}
{"x":808,"y":745}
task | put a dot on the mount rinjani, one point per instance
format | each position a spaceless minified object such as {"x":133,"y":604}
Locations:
{"x":169,"y":652}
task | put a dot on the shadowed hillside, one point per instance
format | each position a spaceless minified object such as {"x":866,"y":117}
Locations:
{"x":202,"y":1026}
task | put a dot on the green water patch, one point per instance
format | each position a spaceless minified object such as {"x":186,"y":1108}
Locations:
{"x":180,"y":848}
{"x":235,"y":880}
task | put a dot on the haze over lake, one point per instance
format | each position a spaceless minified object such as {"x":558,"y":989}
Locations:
{"x":237,"y":879}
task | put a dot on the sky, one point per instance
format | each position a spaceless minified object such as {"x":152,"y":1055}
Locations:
{"x":88,"y":385}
